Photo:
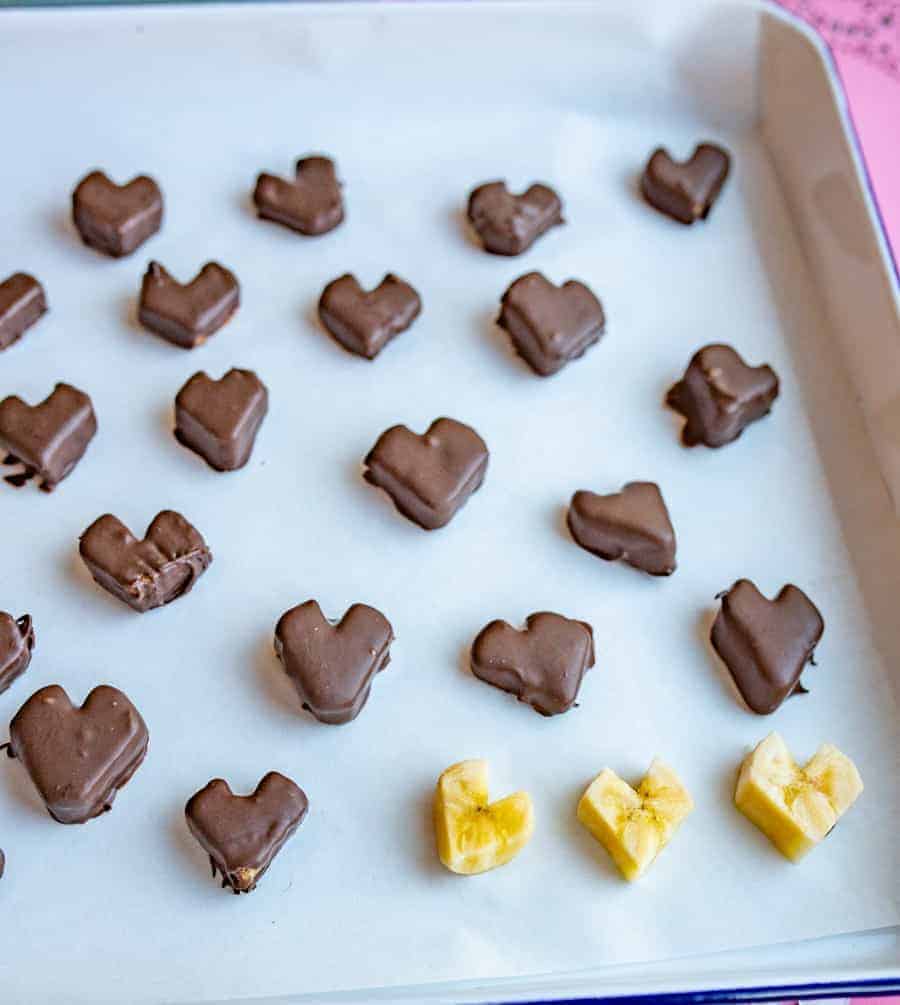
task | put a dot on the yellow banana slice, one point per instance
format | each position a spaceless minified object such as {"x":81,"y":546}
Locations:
{"x":635,"y":825}
{"x":474,"y":835}
{"x":795,"y":807}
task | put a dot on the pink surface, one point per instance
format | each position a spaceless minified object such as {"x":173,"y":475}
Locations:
{"x":864,"y":36}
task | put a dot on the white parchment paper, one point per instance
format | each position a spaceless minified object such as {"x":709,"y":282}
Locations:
{"x":417,"y":107}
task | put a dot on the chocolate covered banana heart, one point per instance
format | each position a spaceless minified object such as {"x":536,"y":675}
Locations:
{"x":16,"y":646}
{"x":363,"y":322}
{"x":550,"y":325}
{"x":632,"y":525}
{"x":243,"y":834}
{"x":509,"y":224}
{"x":22,"y":303}
{"x":686,"y":190}
{"x":331,"y":664}
{"x":116,"y":219}
{"x":542,"y":665}
{"x":429,"y":476}
{"x":48,"y":439}
{"x":187,"y":314}
{"x":720,"y":395}
{"x":78,"y":758}
{"x":311,"y":204}
{"x":145,"y":573}
{"x":219,"y":419}
{"x":765,"y":644}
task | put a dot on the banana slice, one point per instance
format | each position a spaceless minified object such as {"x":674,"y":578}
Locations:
{"x":635,"y":825}
{"x":472,"y":834}
{"x":795,"y":807}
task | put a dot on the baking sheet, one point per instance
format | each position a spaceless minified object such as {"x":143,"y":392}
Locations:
{"x":203,"y":100}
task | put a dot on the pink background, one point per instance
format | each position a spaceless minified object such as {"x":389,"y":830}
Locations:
{"x":864,"y":36}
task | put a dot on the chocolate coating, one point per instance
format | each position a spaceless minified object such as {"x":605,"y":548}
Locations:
{"x":116,"y":219}
{"x":310,"y":204}
{"x":188,"y":314}
{"x":542,"y":665}
{"x":16,"y":647}
{"x":22,"y":302}
{"x":331,"y":664}
{"x":428,"y":476}
{"x":550,"y":325}
{"x":219,"y":419}
{"x":49,"y":438}
{"x":364,"y":322}
{"x":243,"y":834}
{"x":686,"y":191}
{"x":632,"y":525}
{"x":148,"y":573}
{"x":78,"y":758}
{"x":766,"y":643}
{"x":720,"y":395}
{"x":509,"y":224}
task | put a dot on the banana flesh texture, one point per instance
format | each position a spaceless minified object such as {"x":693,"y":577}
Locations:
{"x":795,"y":807}
{"x":634,"y":825}
{"x":474,"y":835}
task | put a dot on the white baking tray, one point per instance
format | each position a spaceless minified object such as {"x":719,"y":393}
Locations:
{"x":418,"y":104}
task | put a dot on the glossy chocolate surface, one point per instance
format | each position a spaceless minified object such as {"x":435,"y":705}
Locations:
{"x":766,"y":643}
{"x":331,"y":664}
{"x":720,"y":395}
{"x":632,"y":525}
{"x":147,"y":573}
{"x":311,"y":204}
{"x":363,"y":322}
{"x":78,"y":758}
{"x":542,"y":665}
{"x":22,"y":302}
{"x":116,"y":219}
{"x":243,"y":834}
{"x":50,"y":438}
{"x":187,"y":314}
{"x":686,"y":191}
{"x":509,"y":224}
{"x":550,"y":325}
{"x":428,"y":476}
{"x":16,"y":647}
{"x":219,"y":419}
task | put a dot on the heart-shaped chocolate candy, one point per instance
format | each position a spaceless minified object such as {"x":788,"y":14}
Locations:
{"x":310,"y":204}
{"x":78,"y":758}
{"x":632,"y":525}
{"x":720,"y":395}
{"x":364,"y":322}
{"x":428,"y":476}
{"x":22,"y":302}
{"x":148,"y":573}
{"x":509,"y":224}
{"x":116,"y":219}
{"x":331,"y":664}
{"x":219,"y":419}
{"x":186,"y":314}
{"x":550,"y":325}
{"x":766,"y":643}
{"x":49,"y":439}
{"x":242,"y":834}
{"x":16,"y":646}
{"x":542,"y":665}
{"x":686,"y":191}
